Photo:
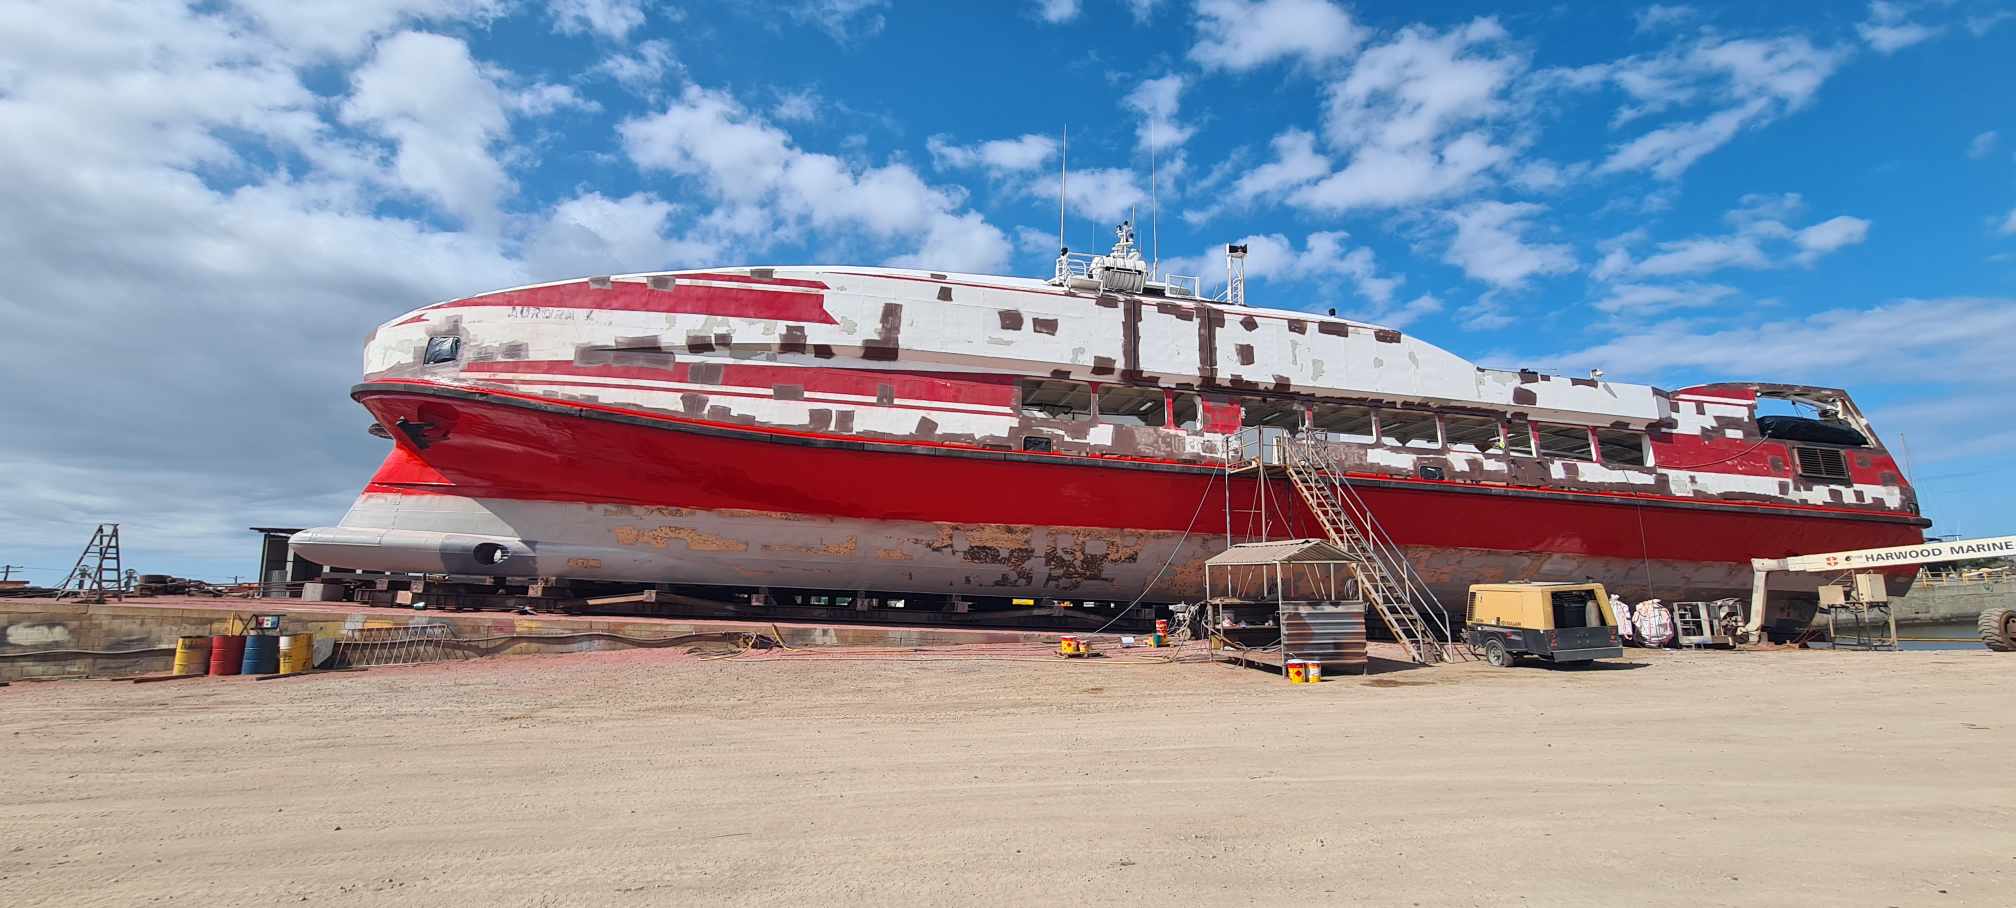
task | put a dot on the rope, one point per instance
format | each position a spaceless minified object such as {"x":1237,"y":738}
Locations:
{"x":1165,"y":562}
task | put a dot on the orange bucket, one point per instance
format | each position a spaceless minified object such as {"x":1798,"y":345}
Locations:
{"x":1298,"y":671}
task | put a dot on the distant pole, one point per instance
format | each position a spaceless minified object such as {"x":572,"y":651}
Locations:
{"x":7,"y":571}
{"x":1154,"y":205}
{"x":1063,"y":173}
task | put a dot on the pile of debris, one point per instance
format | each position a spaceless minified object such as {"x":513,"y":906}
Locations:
{"x":167,"y":585}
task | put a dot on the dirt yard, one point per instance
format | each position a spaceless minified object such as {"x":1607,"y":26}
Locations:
{"x":655,"y":777}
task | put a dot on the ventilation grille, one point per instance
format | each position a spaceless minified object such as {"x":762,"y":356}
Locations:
{"x":1822,"y":463}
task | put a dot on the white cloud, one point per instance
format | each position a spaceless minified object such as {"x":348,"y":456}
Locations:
{"x":1296,"y":162}
{"x":998,"y":156}
{"x":1760,"y":228}
{"x":1829,"y":235}
{"x":594,"y":234}
{"x":1669,"y":150}
{"x":1156,"y":101}
{"x":843,"y":20}
{"x":1490,"y":245}
{"x":796,"y":106}
{"x":426,"y":94}
{"x":1645,"y":299}
{"x":767,"y":189}
{"x":1661,"y":15}
{"x":958,"y":242}
{"x":612,"y":19}
{"x":1142,"y":10}
{"x":546,"y":98}
{"x":1542,"y":175}
{"x":1983,"y":24}
{"x":1751,"y":81}
{"x":1421,"y":85}
{"x":1888,"y":31}
{"x":185,"y":185}
{"x":1244,"y":34}
{"x":642,"y":70}
{"x":1414,"y":116}
{"x":1104,"y":194}
{"x":1983,"y":145}
{"x":1324,"y":256}
{"x":344,"y":29}
{"x":1057,"y":12}
{"x":2009,"y":226}
{"x":1965,"y":336}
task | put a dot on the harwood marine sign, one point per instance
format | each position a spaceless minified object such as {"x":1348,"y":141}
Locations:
{"x":1956,"y":550}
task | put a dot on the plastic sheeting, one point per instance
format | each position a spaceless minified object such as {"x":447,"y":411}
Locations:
{"x":1654,"y":620}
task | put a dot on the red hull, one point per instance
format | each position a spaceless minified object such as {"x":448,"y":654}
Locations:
{"x":491,"y":445}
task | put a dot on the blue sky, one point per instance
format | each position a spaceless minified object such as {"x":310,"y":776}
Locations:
{"x":209,"y":205}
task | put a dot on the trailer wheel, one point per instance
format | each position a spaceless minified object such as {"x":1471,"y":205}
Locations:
{"x":1998,"y":629}
{"x":1496,"y":654}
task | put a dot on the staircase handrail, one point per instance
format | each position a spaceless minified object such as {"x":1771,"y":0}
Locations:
{"x":1381,"y":543}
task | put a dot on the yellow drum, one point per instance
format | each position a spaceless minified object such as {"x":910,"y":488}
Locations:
{"x":1314,"y":670}
{"x":1070,"y":646}
{"x":192,"y":655}
{"x":1298,"y":671}
{"x":297,"y":653}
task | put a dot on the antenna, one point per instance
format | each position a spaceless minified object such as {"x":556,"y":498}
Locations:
{"x":1154,"y":204}
{"x":1063,"y":170}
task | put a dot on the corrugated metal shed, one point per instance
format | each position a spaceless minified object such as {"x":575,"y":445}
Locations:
{"x":1332,"y":633}
{"x":1292,"y":551}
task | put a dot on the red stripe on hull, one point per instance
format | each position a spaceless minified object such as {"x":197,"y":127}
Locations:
{"x":791,"y":305}
{"x":503,"y":448}
{"x":953,"y":388}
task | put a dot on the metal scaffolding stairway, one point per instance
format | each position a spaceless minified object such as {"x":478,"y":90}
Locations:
{"x":1385,"y":577}
{"x":98,"y":573}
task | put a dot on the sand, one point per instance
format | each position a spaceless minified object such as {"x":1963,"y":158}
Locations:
{"x":657,"y":777}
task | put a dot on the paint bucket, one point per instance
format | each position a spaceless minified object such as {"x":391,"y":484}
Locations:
{"x":192,"y":655}
{"x":1070,"y":646}
{"x":262,"y":655}
{"x":1161,"y":637}
{"x":297,"y":653}
{"x":227,"y":654}
{"x":1298,"y":671}
{"x":1314,"y":670}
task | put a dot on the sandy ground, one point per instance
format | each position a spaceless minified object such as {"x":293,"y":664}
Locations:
{"x":656,"y":777}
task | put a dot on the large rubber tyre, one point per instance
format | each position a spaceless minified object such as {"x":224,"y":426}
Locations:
{"x":1496,"y":654}
{"x":1998,"y":629}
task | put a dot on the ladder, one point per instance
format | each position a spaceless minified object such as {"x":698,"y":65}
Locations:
{"x":1385,"y":578}
{"x":98,"y":572}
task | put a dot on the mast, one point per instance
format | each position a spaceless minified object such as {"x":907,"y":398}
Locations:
{"x":1063,"y":170}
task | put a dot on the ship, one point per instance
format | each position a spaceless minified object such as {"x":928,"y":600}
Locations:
{"x":1083,"y":437}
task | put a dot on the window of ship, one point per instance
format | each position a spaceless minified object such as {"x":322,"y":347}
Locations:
{"x":1519,"y":438}
{"x":1279,"y":414}
{"x":1183,"y":412}
{"x":442,"y":350}
{"x":1622,"y":447}
{"x":1047,"y":398}
{"x":1472,"y":434}
{"x":1344,"y":421}
{"x":1124,"y":406}
{"x":1408,"y":429}
{"x":1570,"y":442}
